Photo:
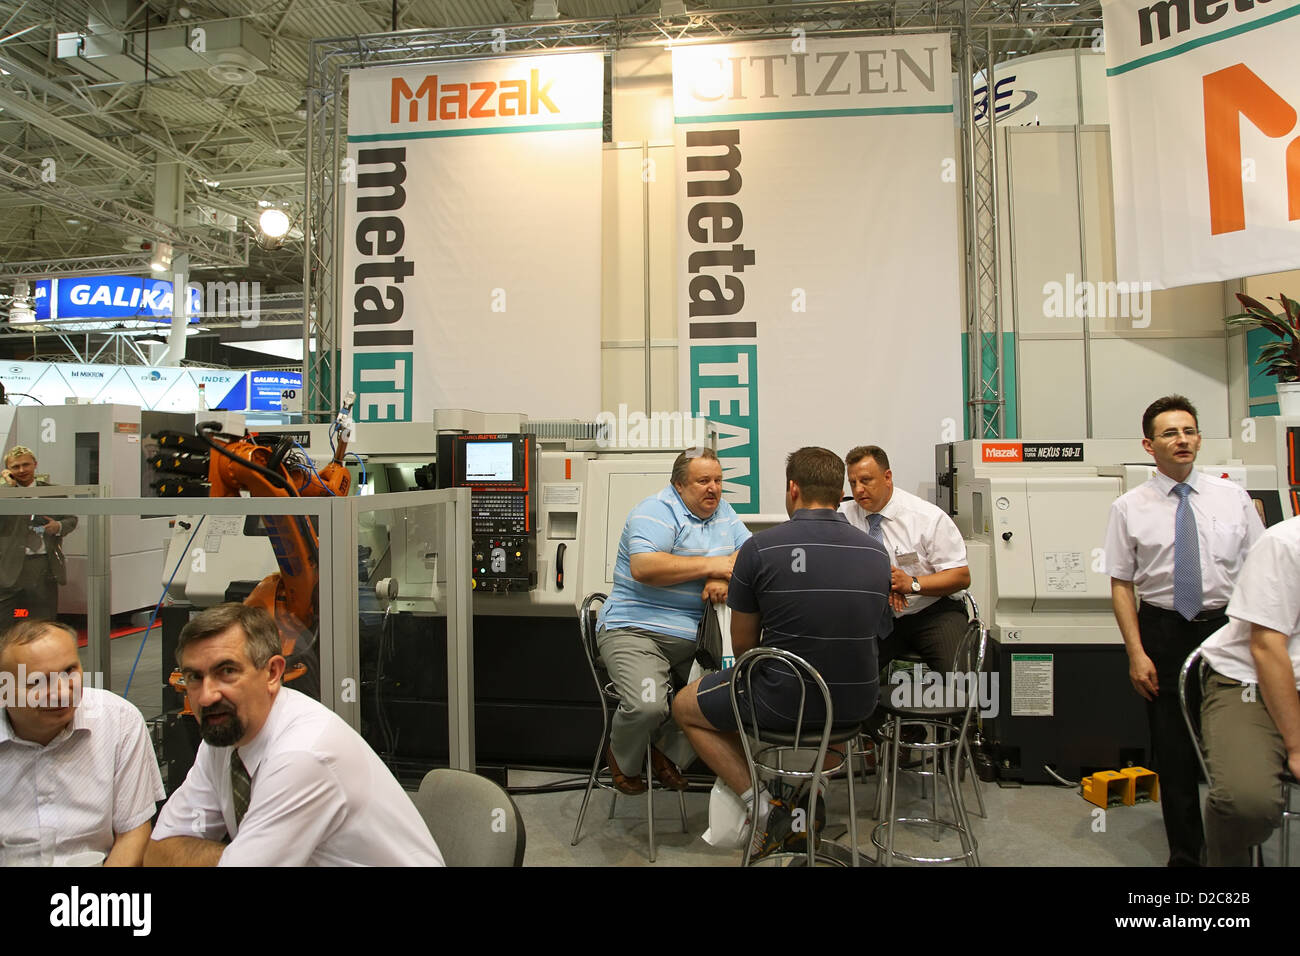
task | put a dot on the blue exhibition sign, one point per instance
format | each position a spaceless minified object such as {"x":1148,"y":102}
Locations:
{"x":264,"y":389}
{"x":110,"y":297}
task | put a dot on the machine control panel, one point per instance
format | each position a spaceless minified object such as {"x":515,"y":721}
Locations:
{"x":500,"y":471}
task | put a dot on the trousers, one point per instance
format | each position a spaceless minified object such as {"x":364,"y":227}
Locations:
{"x":1246,"y":755}
{"x":644,"y":667}
{"x":1167,"y":639}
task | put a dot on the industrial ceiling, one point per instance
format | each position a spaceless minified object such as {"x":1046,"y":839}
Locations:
{"x":118,"y":129}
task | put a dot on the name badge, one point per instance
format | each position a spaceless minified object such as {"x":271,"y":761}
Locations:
{"x":907,"y":560}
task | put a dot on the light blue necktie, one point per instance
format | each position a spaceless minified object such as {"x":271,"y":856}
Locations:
{"x":1187,"y":556}
{"x":874,"y":531}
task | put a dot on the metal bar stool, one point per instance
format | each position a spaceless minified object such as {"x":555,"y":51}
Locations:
{"x":965,"y":762}
{"x":1192,"y":667}
{"x":949,"y":725}
{"x":767,"y":757}
{"x":607,"y":694}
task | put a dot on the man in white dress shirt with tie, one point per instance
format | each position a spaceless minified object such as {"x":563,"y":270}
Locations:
{"x":1176,"y":542}
{"x":927,"y":559}
{"x":285,"y":778}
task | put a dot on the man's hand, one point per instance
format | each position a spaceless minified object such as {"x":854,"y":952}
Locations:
{"x":1293,"y":764}
{"x":1143,"y":675}
{"x":7,"y":478}
{"x":715,"y":590}
{"x":53,"y":527}
{"x":724,"y":566}
{"x":897,"y":602}
{"x":900,"y":581}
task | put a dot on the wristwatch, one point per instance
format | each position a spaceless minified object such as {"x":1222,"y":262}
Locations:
{"x":916,"y":585}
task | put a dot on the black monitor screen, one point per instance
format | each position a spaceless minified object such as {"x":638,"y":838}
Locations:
{"x":489,"y":461}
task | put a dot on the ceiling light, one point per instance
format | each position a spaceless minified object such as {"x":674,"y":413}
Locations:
{"x":273,"y":223}
{"x":162,"y":257}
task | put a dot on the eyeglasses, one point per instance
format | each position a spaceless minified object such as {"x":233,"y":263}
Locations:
{"x":1169,"y":434}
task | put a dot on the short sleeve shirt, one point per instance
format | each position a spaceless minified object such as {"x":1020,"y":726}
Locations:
{"x":920,"y":537}
{"x":1267,"y":594}
{"x":95,"y":781}
{"x":1140,"y":537}
{"x":821,"y":589}
{"x":663,"y":523}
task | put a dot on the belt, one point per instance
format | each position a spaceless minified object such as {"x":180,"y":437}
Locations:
{"x":1208,"y":614}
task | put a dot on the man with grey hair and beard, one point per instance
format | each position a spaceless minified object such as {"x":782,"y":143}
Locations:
{"x":278,"y":773}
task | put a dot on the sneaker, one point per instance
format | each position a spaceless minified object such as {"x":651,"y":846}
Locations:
{"x":798,"y":839}
{"x":770,"y":835}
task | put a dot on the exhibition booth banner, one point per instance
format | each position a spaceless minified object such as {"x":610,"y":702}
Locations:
{"x":471,"y":248}
{"x":1205,"y":143}
{"x":157,"y":389}
{"x":819,"y":256}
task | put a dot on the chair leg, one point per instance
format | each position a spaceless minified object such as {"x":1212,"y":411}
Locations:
{"x":934,"y":790}
{"x":882,"y":779}
{"x":958,"y":809}
{"x":681,"y":801}
{"x":853,"y":809}
{"x":650,"y":803}
{"x":591,"y":783}
{"x":975,"y":781}
{"x":891,"y":808}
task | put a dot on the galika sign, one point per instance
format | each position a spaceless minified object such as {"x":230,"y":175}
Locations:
{"x":472,"y":228}
{"x":817,"y":210}
{"x":109,"y":297}
{"x":1205,"y":142}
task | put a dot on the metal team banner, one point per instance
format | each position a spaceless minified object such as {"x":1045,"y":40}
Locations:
{"x":471,"y":248}
{"x":819,"y":260}
{"x":1205,"y":143}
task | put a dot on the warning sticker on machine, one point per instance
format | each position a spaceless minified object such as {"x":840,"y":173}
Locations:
{"x":1063,"y":571}
{"x":1031,"y":685}
{"x":554,"y":495}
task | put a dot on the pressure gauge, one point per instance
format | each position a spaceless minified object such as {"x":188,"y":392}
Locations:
{"x":1003,"y":504}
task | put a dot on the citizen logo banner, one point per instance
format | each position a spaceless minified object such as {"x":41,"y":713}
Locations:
{"x":796,"y":270}
{"x":1205,"y":94}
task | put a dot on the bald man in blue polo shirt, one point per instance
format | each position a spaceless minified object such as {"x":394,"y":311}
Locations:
{"x":676,"y":551}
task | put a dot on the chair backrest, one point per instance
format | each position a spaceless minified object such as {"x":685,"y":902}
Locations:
{"x":473,"y":820}
{"x":968,"y":664}
{"x":587,"y":630}
{"x":804,"y":673}
{"x":1192,"y":670}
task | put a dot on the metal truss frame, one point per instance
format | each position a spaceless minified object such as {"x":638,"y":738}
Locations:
{"x":980,"y":29}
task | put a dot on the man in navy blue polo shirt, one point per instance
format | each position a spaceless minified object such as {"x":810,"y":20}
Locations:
{"x":676,"y":551}
{"x":815,"y":586}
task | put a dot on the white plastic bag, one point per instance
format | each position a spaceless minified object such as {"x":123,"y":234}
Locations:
{"x":727,"y":818}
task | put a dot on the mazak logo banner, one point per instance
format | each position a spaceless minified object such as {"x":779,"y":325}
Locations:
{"x":787,"y":321}
{"x":482,"y":96}
{"x":1205,"y":137}
{"x":455,"y":294}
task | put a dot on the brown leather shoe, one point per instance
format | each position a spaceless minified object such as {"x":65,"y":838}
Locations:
{"x":666,"y":771}
{"x":622,"y":782}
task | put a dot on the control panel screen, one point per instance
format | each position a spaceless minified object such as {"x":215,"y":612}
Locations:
{"x":489,"y":461}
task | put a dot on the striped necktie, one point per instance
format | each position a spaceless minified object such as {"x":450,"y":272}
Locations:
{"x":875,"y":531}
{"x":241,"y":786}
{"x":1187,"y":556}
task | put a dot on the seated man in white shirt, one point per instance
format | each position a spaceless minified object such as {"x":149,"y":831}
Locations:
{"x":1250,"y":705}
{"x":75,"y":760}
{"x":278,"y":773}
{"x":927,"y":557}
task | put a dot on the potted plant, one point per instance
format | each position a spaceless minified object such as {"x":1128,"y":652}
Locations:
{"x":1280,"y":359}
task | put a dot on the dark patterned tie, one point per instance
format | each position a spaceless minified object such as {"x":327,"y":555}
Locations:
{"x":1187,"y":556}
{"x":241,"y":786}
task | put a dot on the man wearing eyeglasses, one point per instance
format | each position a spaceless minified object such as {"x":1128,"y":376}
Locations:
{"x":1176,"y":543}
